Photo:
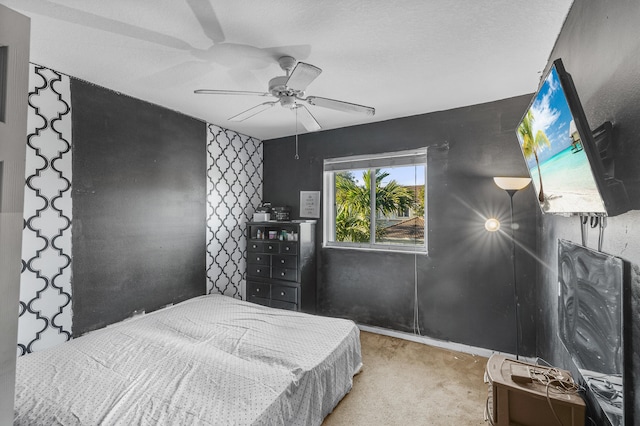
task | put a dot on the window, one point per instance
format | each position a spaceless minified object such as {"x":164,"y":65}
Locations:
{"x":376,"y":202}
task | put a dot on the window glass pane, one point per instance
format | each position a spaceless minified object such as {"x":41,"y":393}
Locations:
{"x":376,"y":202}
{"x":400,"y":205}
{"x":353,"y":208}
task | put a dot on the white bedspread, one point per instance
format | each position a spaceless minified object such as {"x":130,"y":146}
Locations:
{"x":212,"y":360}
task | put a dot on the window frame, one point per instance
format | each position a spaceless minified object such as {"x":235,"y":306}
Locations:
{"x":371,"y":162}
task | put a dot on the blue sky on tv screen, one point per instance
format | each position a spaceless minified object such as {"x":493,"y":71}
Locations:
{"x":552,"y":115}
{"x":569,"y":184}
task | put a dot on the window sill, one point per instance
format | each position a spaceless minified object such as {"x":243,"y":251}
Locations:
{"x":382,"y":249}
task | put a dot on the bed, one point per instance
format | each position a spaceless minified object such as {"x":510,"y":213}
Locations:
{"x":211,"y":360}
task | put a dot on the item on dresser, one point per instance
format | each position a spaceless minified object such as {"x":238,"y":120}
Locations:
{"x":281,"y":213}
{"x":260,"y":216}
{"x":531,"y":395}
{"x":263,"y":213}
{"x":281,"y":270}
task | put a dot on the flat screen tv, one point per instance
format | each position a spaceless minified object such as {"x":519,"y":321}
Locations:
{"x":563,"y":159}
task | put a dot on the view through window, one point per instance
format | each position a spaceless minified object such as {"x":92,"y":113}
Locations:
{"x":376,"y":202}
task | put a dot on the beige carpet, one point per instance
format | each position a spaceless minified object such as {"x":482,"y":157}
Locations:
{"x":408,"y":383}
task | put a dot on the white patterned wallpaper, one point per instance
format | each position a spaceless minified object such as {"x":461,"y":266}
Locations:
{"x":45,"y":285}
{"x":234,"y":191}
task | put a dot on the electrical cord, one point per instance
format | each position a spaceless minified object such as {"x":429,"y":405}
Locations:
{"x":416,"y":315}
{"x":554,"y":379}
{"x":593,"y":222}
{"x":579,"y":389}
{"x":583,"y":229}
{"x":603,"y":224}
{"x":487,"y":411}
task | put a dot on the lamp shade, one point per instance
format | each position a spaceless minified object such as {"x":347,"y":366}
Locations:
{"x":512,"y":183}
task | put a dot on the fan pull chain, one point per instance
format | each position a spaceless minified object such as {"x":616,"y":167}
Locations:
{"x":297,"y":157}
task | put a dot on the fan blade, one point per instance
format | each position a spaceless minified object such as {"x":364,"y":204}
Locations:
{"x":229,"y":92}
{"x":302,"y":75}
{"x":206,"y":16}
{"x":95,"y":21}
{"x":306,"y":119}
{"x":340,"y":105}
{"x":253,"y":111}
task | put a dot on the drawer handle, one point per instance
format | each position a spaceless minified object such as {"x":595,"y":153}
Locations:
{"x":288,"y":248}
{"x":282,"y":293}
{"x":270,"y":247}
{"x":254,"y":246}
{"x":257,"y":270}
{"x":257,"y":290}
{"x":258,"y":258}
{"x":282,"y":274}
{"x":282,"y":261}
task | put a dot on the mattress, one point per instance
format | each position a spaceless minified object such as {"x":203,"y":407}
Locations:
{"x":211,"y":360}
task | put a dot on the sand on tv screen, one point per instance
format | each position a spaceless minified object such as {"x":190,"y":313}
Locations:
{"x":553,"y":149}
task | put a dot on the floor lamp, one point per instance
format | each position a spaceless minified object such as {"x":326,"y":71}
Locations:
{"x":512,"y":185}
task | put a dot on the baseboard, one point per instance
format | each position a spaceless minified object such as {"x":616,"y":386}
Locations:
{"x":458,"y":347}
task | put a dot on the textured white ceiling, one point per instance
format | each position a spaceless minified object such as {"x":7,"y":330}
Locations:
{"x":401,"y":57}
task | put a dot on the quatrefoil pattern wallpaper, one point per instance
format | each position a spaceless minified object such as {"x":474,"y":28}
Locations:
{"x":45,"y":287}
{"x":234,"y":191}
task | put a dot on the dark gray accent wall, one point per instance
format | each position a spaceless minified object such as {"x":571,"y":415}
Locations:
{"x":139,"y":197}
{"x":600,"y":47}
{"x":464,"y":285}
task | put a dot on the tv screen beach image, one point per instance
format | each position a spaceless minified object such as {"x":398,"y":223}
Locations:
{"x":554,"y":152}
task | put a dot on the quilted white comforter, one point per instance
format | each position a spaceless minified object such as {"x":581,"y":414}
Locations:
{"x":212,"y":360}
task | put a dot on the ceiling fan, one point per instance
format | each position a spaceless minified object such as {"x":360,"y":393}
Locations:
{"x":289,"y":91}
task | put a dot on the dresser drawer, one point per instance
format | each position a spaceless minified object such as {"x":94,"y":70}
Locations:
{"x":258,"y":270}
{"x":289,"y":247}
{"x":284,"y":305}
{"x":275,"y":264}
{"x":258,"y":258}
{"x":284,"y":293}
{"x":271,"y":247}
{"x":285,"y":274}
{"x":288,"y":261}
{"x":258,"y":289}
{"x":255,"y":246}
{"x":259,"y":300}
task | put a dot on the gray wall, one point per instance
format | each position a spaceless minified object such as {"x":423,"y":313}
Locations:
{"x":600,"y":46}
{"x":139,"y":194}
{"x":14,"y":34}
{"x":464,"y":285}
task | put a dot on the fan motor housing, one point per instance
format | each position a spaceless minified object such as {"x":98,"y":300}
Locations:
{"x":278,"y":88}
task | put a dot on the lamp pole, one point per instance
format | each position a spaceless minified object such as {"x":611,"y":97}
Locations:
{"x":511,"y":193}
{"x":512,"y":185}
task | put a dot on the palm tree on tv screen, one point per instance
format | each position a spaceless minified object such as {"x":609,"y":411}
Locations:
{"x":353,"y":206}
{"x":531,"y":144}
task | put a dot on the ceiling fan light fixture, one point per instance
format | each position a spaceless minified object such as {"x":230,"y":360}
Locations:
{"x":289,"y":90}
{"x":278,"y":85}
{"x":288,"y":102}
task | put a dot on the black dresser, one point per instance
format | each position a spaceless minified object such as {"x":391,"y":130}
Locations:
{"x":281,"y":265}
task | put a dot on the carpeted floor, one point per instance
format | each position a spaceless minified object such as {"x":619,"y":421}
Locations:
{"x":408,"y":383}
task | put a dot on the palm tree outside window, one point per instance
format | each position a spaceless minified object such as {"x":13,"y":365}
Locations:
{"x":376,"y":202}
